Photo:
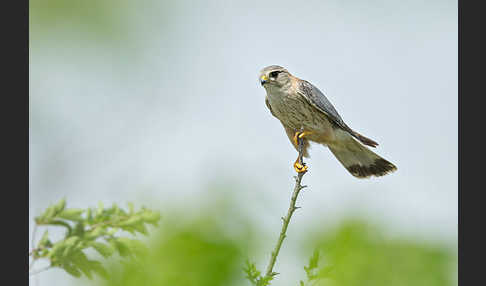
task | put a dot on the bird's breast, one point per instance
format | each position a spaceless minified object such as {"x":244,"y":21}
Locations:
{"x":296,"y":112}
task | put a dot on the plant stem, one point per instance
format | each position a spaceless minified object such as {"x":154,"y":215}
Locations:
{"x":286,"y":220}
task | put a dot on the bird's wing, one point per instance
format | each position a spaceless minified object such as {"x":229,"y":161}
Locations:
{"x":317,"y":99}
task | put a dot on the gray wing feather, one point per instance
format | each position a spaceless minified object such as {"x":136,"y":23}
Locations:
{"x":317,"y":99}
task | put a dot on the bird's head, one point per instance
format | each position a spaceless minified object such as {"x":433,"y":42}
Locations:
{"x":274,"y":76}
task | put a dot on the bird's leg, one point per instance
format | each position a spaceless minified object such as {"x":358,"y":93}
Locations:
{"x":299,"y":164}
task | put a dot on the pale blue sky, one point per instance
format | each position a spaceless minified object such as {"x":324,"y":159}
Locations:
{"x":176,"y":105}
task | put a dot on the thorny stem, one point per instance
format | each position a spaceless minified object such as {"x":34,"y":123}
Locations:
{"x":286,"y":220}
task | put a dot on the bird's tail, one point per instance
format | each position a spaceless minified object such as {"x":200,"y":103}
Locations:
{"x":358,"y":159}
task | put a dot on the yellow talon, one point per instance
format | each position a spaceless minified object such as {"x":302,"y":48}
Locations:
{"x":299,"y":168}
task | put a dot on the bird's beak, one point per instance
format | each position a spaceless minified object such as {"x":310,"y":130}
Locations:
{"x":263,"y":79}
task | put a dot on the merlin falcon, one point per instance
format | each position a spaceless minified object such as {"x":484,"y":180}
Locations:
{"x":307,"y":115}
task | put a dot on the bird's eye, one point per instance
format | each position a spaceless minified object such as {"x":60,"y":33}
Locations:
{"x":274,"y":74}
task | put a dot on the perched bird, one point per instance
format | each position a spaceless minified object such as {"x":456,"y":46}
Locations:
{"x":307,"y":114}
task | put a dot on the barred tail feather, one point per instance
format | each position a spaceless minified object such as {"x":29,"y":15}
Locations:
{"x":359,"y":160}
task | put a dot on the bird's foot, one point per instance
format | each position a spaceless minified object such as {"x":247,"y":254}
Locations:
{"x":300,"y":168}
{"x":300,"y":135}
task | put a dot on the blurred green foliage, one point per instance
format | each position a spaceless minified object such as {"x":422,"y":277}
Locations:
{"x":356,"y":253}
{"x":210,"y":248}
{"x":97,"y":228}
{"x":255,"y":276}
{"x":199,"y":252}
{"x":205,"y":250}
{"x":104,"y":18}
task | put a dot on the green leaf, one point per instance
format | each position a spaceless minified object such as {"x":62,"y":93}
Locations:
{"x":71,"y":241}
{"x":59,"y":207}
{"x":71,"y":270}
{"x":46,"y":216}
{"x":70,"y":245}
{"x":98,"y":268}
{"x":252,"y":274}
{"x":104,"y":249}
{"x":100,"y":209}
{"x":57,"y":250}
{"x":130,"y":208}
{"x":122,"y":248}
{"x":116,"y":209}
{"x":151,"y":217}
{"x":131,"y":221}
{"x":136,"y":246}
{"x":325,"y":272}
{"x":80,"y":260}
{"x":72,"y":214}
{"x":79,"y":229}
{"x":95,"y":233}
{"x":314,"y":260}
{"x":313,"y":264}
{"x":264,"y":281}
{"x":51,"y":212}
{"x":129,"y":229}
{"x":140,"y":228}
{"x":89,"y":215}
{"x":44,"y":241}
{"x":112,"y":231}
